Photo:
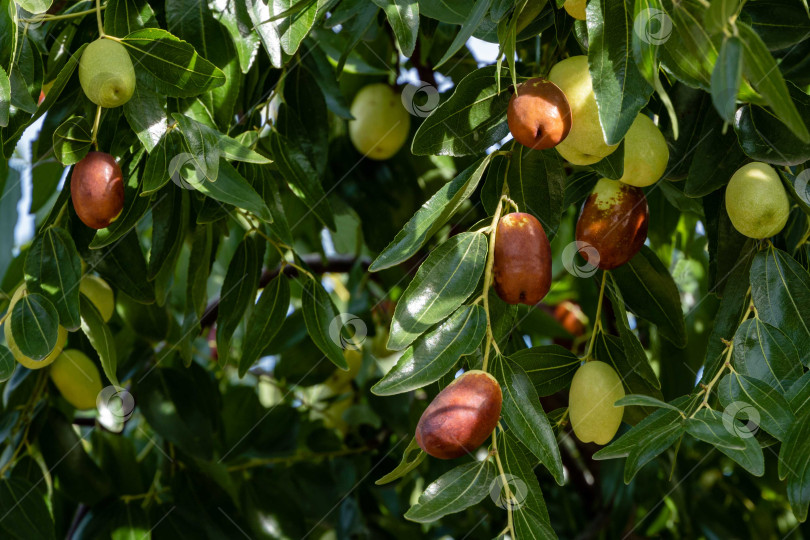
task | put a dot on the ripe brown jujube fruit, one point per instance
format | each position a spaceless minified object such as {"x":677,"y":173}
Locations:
{"x":97,"y":189}
{"x":613,"y":224}
{"x":522,"y":267}
{"x":539,"y":116}
{"x":460,"y":417}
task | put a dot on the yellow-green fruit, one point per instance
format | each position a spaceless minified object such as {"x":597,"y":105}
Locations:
{"x":106,"y":73}
{"x":340,"y":380}
{"x":594,"y":390}
{"x":77,"y":378}
{"x":585,"y":143}
{"x":381,"y":123}
{"x":756,"y":201}
{"x":576,"y":8}
{"x":100,"y":294}
{"x":30,"y":363}
{"x":646,"y":153}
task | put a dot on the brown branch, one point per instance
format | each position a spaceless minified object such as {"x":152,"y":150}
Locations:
{"x":317,"y":265}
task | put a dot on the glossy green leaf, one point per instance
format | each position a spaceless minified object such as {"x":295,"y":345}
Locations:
{"x":780,"y":23}
{"x":24,"y":510}
{"x":122,"y":17}
{"x":431,"y":217}
{"x":726,"y":77}
{"x":718,"y":15}
{"x":100,"y":337}
{"x":775,"y":415}
{"x":167,"y":161}
{"x":238,"y":289}
{"x":408,"y":463}
{"x":443,"y":282}
{"x":53,"y":269}
{"x":708,"y":426}
{"x":169,"y":65}
{"x":231,"y":188}
{"x":146,"y":114}
{"x":646,"y":37}
{"x":520,"y":463}
{"x":794,"y":461}
{"x":234,"y":16}
{"x":7,"y":363}
{"x":549,"y":367}
{"x":611,"y":166}
{"x":169,"y":222}
{"x":650,"y":292}
{"x":762,"y":70}
{"x":72,"y":140}
{"x":403,"y":16}
{"x":34,"y":326}
{"x":123,"y":266}
{"x":525,"y":416}
{"x":620,"y":89}
{"x":469,"y":122}
{"x":265,"y":321}
{"x":645,"y":401}
{"x":658,"y":421}
{"x":475,"y":15}
{"x":324,"y":322}
{"x":435,"y":353}
{"x":780,"y":289}
{"x":764,"y":352}
{"x":5,"y":97}
{"x":135,"y":209}
{"x":454,"y":491}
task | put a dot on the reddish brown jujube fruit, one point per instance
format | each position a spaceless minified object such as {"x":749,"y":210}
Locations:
{"x":522,"y":267}
{"x":539,"y":116}
{"x":613,"y":223}
{"x":97,"y":189}
{"x":460,"y":417}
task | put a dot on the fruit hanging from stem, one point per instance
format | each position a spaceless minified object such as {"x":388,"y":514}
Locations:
{"x":756,"y":201}
{"x":521,"y":270}
{"x":594,"y":390}
{"x":106,"y":73}
{"x":97,"y":190}
{"x":539,"y":116}
{"x":381,"y":124}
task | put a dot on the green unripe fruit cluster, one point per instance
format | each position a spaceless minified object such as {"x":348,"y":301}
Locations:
{"x":756,"y":201}
{"x":594,"y":390}
{"x":30,"y":363}
{"x":77,"y":378}
{"x":106,"y":73}
{"x":381,"y":123}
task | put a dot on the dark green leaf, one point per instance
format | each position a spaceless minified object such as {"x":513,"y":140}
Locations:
{"x":645,"y":401}
{"x":34,"y":325}
{"x":454,"y":491}
{"x":24,"y":510}
{"x":123,"y":266}
{"x":122,"y":17}
{"x":549,"y":367}
{"x":146,"y":114}
{"x":709,"y":426}
{"x":408,"y":463}
{"x":736,"y":390}
{"x":72,"y":140}
{"x":53,"y":269}
{"x":520,"y":463}
{"x":265,"y":321}
{"x":764,"y":352}
{"x":169,"y":222}
{"x":726,"y":78}
{"x":440,"y":286}
{"x":403,"y":16}
{"x":475,"y":15}
{"x":7,"y":363}
{"x":5,"y":97}
{"x":100,"y":337}
{"x":238,"y":290}
{"x":324,"y":322}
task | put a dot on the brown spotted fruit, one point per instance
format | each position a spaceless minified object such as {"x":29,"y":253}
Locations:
{"x":460,"y":417}
{"x":522,"y":267}
{"x":97,"y":190}
{"x":539,"y":116}
{"x":613,"y":224}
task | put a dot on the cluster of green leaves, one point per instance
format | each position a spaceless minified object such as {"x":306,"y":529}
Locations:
{"x":237,"y":166}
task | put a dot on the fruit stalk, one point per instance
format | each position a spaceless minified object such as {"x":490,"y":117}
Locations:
{"x":509,"y":521}
{"x":597,"y":324}
{"x":98,"y":19}
{"x":493,"y":232}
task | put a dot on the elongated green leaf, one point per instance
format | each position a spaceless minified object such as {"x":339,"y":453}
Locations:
{"x":322,"y":317}
{"x":34,"y":326}
{"x":525,"y":416}
{"x":146,"y":114}
{"x":123,"y":266}
{"x":520,"y":463}
{"x":53,"y":269}
{"x":431,"y":217}
{"x":475,"y":15}
{"x":780,"y":289}
{"x":5,"y":97}
{"x":707,"y":425}
{"x":441,"y":285}
{"x":231,"y":188}
{"x":652,"y":443}
{"x":620,"y":89}
{"x":736,"y":390}
{"x":751,"y":458}
{"x":794,"y":464}
{"x":202,"y":146}
{"x":72,"y":140}
{"x":472,"y":120}
{"x":408,"y":463}
{"x":265,"y":321}
{"x":658,"y":421}
{"x":24,"y":511}
{"x":650,"y":292}
{"x":122,"y":17}
{"x":168,"y":160}
{"x":645,"y":401}
{"x":238,"y":289}
{"x":433,"y":354}
{"x":717,"y":155}
{"x":403,"y":16}
{"x":101,"y":339}
{"x":764,"y":352}
{"x":135,"y":208}
{"x":7,"y":363}
{"x":762,"y":70}
{"x":726,"y":78}
{"x":646,"y":38}
{"x":171,"y":66}
{"x":549,"y":367}
{"x":169,"y":222}
{"x":454,"y":491}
